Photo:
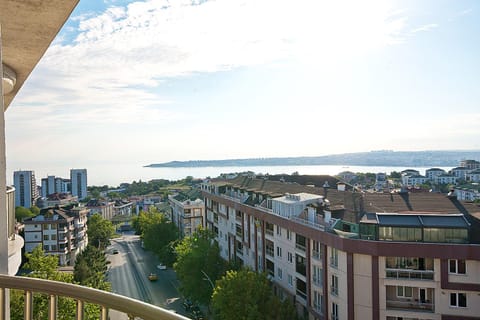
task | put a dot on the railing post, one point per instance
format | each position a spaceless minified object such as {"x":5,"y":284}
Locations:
{"x":28,"y":306}
{"x":104,"y":313}
{"x":80,"y":312}
{"x":52,"y":307}
{"x":2,"y":304}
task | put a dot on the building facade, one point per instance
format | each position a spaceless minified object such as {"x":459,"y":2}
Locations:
{"x":60,"y":232}
{"x":383,"y":266}
{"x":26,"y":192}
{"x":188,"y":212}
{"x":52,"y":184}
{"x":78,"y":178}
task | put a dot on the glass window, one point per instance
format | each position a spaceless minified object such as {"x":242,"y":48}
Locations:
{"x":405,"y":292}
{"x":457,"y":266}
{"x":45,"y":237}
{"x":458,"y":299}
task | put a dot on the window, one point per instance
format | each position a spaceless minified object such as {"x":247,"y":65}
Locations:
{"x":457,"y":266}
{"x":279,"y":231}
{"x":289,"y":235}
{"x":290,"y":280}
{"x":290,"y":257}
{"x":45,"y":226}
{"x":404,"y":292}
{"x":334,"y":257}
{"x":45,"y":247}
{"x":54,"y":247}
{"x":334,"y":311}
{"x":458,"y":299}
{"x":53,"y":226}
{"x":53,"y":237}
{"x":317,"y":301}
{"x":279,"y":252}
{"x":279,"y":273}
{"x":317,"y":275}
{"x":45,"y":237}
{"x":334,"y":288}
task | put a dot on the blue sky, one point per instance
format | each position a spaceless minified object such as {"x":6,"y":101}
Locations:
{"x":155,"y":81}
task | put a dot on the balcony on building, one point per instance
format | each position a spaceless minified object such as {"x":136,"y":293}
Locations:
{"x":410,"y":298}
{"x":399,"y":227}
{"x":403,"y":268}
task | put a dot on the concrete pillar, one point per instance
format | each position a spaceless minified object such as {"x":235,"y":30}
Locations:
{"x":5,"y":309}
{"x":3,"y":180}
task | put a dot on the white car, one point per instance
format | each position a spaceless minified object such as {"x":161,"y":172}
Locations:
{"x":161,"y":267}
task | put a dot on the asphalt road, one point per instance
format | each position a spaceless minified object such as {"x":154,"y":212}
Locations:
{"x":129,"y":270}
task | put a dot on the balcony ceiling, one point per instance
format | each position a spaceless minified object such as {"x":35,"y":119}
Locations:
{"x":28,"y":28}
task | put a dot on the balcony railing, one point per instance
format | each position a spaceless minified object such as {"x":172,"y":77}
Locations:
{"x":410,"y":305}
{"x":106,"y":300}
{"x":409,"y":274}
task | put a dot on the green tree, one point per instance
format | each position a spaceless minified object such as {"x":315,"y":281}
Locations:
{"x":90,"y":268}
{"x":100,"y":231}
{"x":45,"y":267}
{"x":23,"y":213}
{"x":158,"y":233}
{"x":198,"y":265}
{"x":395,"y":175}
{"x":246,"y":294}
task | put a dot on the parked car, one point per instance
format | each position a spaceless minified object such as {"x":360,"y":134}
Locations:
{"x":161,"y":266}
{"x":114,"y":251}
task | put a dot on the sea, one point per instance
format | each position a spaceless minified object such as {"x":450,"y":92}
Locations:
{"x":115,"y":174}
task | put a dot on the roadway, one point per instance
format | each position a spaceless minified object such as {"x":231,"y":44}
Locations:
{"x":128,"y":273}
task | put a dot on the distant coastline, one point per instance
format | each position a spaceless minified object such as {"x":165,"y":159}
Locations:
{"x":373,"y":158}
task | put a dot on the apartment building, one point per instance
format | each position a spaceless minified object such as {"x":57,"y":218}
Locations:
{"x":60,"y":231}
{"x":353,"y":255}
{"x":102,"y":207}
{"x":188,"y":211}
{"x":434,"y":172}
{"x":26,"y":188}
{"x":78,"y":178}
{"x":468,"y":192}
{"x":52,"y":184}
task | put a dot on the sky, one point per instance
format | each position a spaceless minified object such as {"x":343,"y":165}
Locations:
{"x":156,"y":81}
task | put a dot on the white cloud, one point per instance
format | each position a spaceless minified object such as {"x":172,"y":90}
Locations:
{"x":125,"y":52}
{"x":426,"y":27}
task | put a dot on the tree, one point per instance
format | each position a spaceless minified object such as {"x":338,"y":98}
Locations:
{"x":99,"y":231}
{"x":90,"y":268}
{"x":246,"y":294}
{"x":158,"y":233}
{"x":23,"y":213}
{"x":198,"y":265}
{"x":45,"y":267}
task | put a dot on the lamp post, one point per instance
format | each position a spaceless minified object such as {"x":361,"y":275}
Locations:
{"x":207,"y":278}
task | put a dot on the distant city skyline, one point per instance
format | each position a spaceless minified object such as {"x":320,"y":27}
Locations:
{"x":139,"y":82}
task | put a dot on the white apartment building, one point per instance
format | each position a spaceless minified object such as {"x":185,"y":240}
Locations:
{"x":103,"y":208}
{"x":474,"y":176}
{"x":385,"y":266}
{"x":26,"y":188}
{"x":52,"y":184}
{"x":467,"y":192}
{"x":188,"y":211}
{"x":413,"y":180}
{"x":61,"y":232}
{"x":78,"y":178}
{"x":445,"y":179}
{"x":460,"y":172}
{"x":434,"y":172}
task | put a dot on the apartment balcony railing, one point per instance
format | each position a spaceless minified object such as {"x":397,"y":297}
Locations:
{"x":300,"y":247}
{"x":410,"y":305}
{"x":409,"y":274}
{"x":134,"y":309}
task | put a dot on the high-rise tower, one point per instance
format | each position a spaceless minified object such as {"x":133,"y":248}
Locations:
{"x":78,"y":179}
{"x":26,"y":188}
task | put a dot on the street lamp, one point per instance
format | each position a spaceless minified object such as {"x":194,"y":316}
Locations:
{"x":207,"y":278}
